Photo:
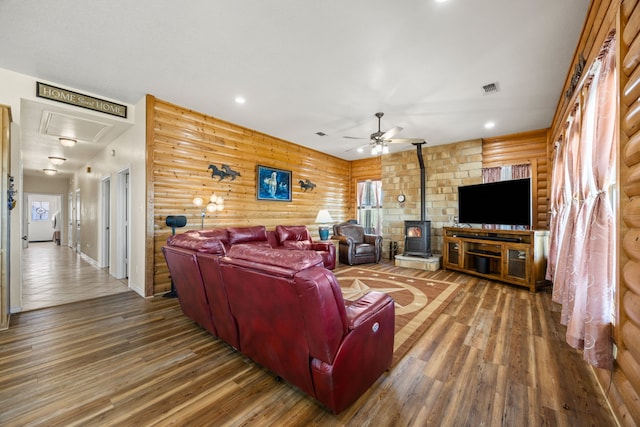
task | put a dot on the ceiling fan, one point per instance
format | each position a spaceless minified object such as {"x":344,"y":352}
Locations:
{"x":378,"y":141}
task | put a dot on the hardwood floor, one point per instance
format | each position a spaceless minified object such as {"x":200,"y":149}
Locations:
{"x":54,"y":275}
{"x":496,"y":357}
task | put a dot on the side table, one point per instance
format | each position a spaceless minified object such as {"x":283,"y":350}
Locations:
{"x":335,"y":243}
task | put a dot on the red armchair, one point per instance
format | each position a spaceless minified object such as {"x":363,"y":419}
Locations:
{"x":298,"y":237}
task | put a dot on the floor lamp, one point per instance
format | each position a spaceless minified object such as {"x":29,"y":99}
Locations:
{"x":174,"y":221}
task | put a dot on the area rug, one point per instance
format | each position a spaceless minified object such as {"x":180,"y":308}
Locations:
{"x":418,"y":300}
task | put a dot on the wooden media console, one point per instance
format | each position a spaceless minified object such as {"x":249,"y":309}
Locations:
{"x":518,"y":257}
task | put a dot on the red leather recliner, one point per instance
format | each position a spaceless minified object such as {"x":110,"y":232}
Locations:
{"x":298,"y":237}
{"x":293,"y":320}
{"x":187,"y":279}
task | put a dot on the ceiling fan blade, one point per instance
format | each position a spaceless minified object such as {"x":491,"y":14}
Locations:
{"x":354,"y":137}
{"x":390,"y":133}
{"x":405,"y":140}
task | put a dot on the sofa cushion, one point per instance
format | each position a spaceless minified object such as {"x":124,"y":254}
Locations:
{"x":218,"y":233}
{"x":292,"y":260}
{"x":303,"y":245}
{"x":196,"y":243}
{"x":255,"y":234}
{"x":292,"y":233}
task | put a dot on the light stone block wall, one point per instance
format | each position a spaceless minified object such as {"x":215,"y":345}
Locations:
{"x":446,"y":168}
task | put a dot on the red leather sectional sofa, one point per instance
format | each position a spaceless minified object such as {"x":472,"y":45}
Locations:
{"x":283,"y":309}
{"x":284,"y":236}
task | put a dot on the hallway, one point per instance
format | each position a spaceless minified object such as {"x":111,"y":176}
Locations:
{"x":54,"y":275}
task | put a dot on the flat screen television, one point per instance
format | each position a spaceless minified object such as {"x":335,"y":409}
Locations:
{"x":503,"y":202}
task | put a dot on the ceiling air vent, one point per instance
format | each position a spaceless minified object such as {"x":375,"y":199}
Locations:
{"x":321,"y":133}
{"x":490,"y":88}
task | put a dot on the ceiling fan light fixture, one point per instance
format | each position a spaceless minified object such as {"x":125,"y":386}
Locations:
{"x":67,"y":142}
{"x":57,"y":160}
{"x":50,"y":171}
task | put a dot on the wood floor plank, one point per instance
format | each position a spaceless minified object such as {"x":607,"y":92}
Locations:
{"x":495,"y":356}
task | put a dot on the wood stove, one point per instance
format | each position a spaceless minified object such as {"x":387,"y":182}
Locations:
{"x":417,"y":234}
{"x":417,"y":241}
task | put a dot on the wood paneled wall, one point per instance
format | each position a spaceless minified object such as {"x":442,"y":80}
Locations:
{"x":181,"y":144}
{"x":623,"y":383}
{"x":525,"y":147}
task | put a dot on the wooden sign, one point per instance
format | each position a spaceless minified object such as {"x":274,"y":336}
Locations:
{"x":79,"y":100}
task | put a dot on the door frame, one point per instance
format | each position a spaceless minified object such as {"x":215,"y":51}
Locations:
{"x":105,"y":219}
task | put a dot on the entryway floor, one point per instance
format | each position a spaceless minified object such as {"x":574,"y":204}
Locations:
{"x":54,"y":275}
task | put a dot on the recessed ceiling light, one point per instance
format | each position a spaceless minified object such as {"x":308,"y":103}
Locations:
{"x":50,"y":171}
{"x":67,"y":142}
{"x":489,"y":125}
{"x":240,"y":100}
{"x":57,"y":160}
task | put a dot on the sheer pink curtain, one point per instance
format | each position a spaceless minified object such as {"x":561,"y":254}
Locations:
{"x":513,"y":172}
{"x":360,"y":189}
{"x":521,"y":171}
{"x":378,"y":216}
{"x":583,"y":269}
{"x":491,"y":174}
{"x":567,"y":213}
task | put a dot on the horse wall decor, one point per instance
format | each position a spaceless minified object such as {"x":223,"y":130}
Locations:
{"x":306,"y":185}
{"x":224,"y":172}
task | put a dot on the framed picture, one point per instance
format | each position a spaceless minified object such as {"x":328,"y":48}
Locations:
{"x":273,"y":184}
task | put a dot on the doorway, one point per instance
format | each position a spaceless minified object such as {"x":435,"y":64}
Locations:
{"x":42,"y":210}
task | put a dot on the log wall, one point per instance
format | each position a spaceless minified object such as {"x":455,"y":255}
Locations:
{"x":181,"y":144}
{"x":626,"y":396}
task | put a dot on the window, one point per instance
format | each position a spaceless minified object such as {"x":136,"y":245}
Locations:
{"x":369,"y":204}
{"x":40,"y":211}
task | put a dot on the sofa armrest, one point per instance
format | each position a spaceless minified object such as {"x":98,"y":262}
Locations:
{"x":344,"y":239}
{"x":320,"y":246}
{"x":360,"y":310}
{"x":365,"y":353}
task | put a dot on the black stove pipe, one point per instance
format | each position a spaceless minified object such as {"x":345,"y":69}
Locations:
{"x":423,"y":197}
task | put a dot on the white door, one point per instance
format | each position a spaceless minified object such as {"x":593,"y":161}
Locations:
{"x":70,"y":216}
{"x":106,"y":222}
{"x":41,"y":211}
{"x":78,"y":244}
{"x":121,"y":225}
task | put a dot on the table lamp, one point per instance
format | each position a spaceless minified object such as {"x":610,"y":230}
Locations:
{"x":324,"y":218}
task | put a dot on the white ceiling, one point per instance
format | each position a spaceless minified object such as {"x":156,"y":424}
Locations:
{"x":305,"y":66}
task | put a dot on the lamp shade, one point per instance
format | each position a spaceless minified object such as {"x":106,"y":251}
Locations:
{"x":323,"y":217}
